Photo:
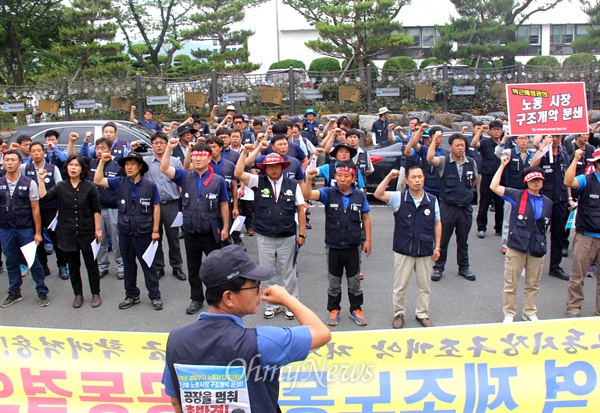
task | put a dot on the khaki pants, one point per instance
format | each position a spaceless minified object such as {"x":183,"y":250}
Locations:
{"x":514,"y":263}
{"x":585,"y":249}
{"x":403,"y":269}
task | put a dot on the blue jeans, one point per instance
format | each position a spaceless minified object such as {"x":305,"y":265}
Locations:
{"x":12,"y":240}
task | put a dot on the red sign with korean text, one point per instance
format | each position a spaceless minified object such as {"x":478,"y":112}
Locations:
{"x":547,"y":108}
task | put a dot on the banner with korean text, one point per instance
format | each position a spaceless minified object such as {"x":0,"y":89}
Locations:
{"x":547,"y":108}
{"x":547,"y":366}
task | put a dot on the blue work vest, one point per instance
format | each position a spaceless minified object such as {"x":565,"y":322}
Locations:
{"x":108,"y":198}
{"x":588,"y":212}
{"x":275,"y":219}
{"x":525,"y":234}
{"x":414,"y":226}
{"x":432,"y":177}
{"x":554,"y":186}
{"x":135,"y":219}
{"x":31,"y":173}
{"x":200,"y":211}
{"x":457,"y":190}
{"x":512,"y":172}
{"x":118,"y":149}
{"x":343,"y":226}
{"x":15,"y":210}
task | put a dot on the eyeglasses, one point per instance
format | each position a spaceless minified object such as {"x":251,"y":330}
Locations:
{"x":257,"y":287}
{"x":159,"y":143}
{"x":238,"y":122}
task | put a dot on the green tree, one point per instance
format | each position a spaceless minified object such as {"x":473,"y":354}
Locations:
{"x":486,"y":29}
{"x":579,"y":59}
{"x":285,"y":64}
{"x":90,"y":31}
{"x":542,"y":61}
{"x":152,"y":31}
{"x":27,"y":27}
{"x":324,"y":64}
{"x":213,"y":20}
{"x":591,"y":43}
{"x":400,"y":63}
{"x":357,"y":30}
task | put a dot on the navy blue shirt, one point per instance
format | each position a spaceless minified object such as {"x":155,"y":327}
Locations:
{"x":181,"y":173}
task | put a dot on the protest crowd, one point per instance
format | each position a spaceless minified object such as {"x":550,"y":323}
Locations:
{"x":258,"y":178}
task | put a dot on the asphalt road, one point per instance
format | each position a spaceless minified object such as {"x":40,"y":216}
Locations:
{"x":454,"y":300}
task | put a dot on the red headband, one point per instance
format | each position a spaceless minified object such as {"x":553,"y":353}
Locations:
{"x":533,"y":175}
{"x":200,"y":153}
{"x":345,"y":169}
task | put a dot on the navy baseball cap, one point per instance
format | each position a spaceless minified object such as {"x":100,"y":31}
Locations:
{"x":230,"y":262}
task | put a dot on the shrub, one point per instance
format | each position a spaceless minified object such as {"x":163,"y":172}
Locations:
{"x":324,"y":64}
{"x":543,"y":61}
{"x":431,"y":61}
{"x":579,"y":59}
{"x":285,"y":64}
{"x":354,"y":64}
{"x":400,"y":63}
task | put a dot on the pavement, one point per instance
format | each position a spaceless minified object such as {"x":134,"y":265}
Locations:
{"x":454,"y":300}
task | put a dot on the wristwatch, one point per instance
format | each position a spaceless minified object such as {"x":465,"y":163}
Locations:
{"x":302,"y":236}
{"x":437,"y":249}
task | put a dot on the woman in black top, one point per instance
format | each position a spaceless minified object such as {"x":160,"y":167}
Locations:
{"x":78,"y":224}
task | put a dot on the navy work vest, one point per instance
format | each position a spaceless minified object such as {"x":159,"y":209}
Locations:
{"x":311,"y":131}
{"x":343,"y":226}
{"x":554,"y":186}
{"x":275,"y":219}
{"x":362,"y":164}
{"x":525,"y":234}
{"x":30,"y":172}
{"x":222,"y":342}
{"x":588,"y":214}
{"x":118,"y":149}
{"x":135,"y":219}
{"x":200,"y":211}
{"x":227,"y":172}
{"x":178,"y":153}
{"x":108,"y":198}
{"x":15,"y":211}
{"x":414,"y":226}
{"x":432,"y":177}
{"x":457,"y":190}
{"x":512,"y":172}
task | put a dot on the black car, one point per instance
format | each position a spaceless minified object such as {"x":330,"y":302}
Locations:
{"x":127,"y":131}
{"x":385,"y":157}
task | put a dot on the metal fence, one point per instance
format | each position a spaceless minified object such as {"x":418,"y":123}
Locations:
{"x":438,"y":89}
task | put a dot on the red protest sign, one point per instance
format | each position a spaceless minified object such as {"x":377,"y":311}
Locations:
{"x":547,"y":108}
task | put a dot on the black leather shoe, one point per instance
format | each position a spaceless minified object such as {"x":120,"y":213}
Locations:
{"x":160,"y":272}
{"x":558,"y":273}
{"x":436,"y":275}
{"x":180,"y":275}
{"x":467,"y":274}
{"x":194,"y":307}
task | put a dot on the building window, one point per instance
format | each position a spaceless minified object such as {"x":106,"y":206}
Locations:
{"x":415,"y":32}
{"x":530,"y":34}
{"x":561,"y":37}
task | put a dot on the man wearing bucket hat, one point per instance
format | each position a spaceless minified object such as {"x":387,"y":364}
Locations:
{"x":205,"y":213}
{"x":229,"y":111}
{"x":278,"y":198}
{"x":530,"y":216}
{"x":233,"y":290}
{"x":139,"y":216}
{"x":586,"y":244}
{"x":311,"y":126}
{"x":379,"y":130}
{"x":185,"y":133}
{"x":342,"y":152}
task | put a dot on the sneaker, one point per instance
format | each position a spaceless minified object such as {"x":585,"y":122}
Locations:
{"x":64,"y":273}
{"x":436,"y":275}
{"x":467,"y":274}
{"x":574,"y":315}
{"x":194,"y":307}
{"x":49,"y":250}
{"x":358,"y":317}
{"x":481,"y":234}
{"x":597,"y":313}
{"x":129,"y":302}
{"x":120,"y":275}
{"x":103,"y":273}
{"x":24,"y":269}
{"x":508,"y":319}
{"x":11,"y":299}
{"x":591,"y":273}
{"x":398,"y":321}
{"x":334,"y":318}
{"x":288,"y":314}
{"x":271,"y":313}
{"x":530,"y":318}
{"x":157,"y":304}
{"x":43,"y":300}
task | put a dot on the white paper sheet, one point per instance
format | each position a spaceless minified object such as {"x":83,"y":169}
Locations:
{"x":237,"y":224}
{"x":178,"y":221}
{"x":95,"y":247}
{"x":29,"y":251}
{"x":150,"y":253}
{"x":52,"y":226}
{"x":248,"y":195}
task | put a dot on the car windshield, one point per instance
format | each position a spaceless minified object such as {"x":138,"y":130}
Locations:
{"x":146,"y":132}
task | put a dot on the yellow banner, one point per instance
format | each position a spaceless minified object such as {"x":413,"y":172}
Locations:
{"x":547,"y":366}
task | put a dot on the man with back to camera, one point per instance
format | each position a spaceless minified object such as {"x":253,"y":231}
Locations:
{"x":417,"y":236}
{"x":233,"y":291}
{"x":458,"y":176}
